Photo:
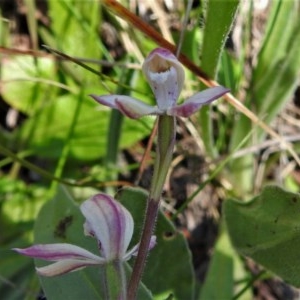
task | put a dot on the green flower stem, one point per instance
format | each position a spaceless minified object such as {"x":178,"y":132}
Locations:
{"x":166,"y":131}
{"x":114,"y":280}
{"x":165,"y":146}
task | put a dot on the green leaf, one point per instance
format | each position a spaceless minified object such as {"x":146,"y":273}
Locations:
{"x":276,"y":75}
{"x":48,"y":129}
{"x":19,"y":203}
{"x":267,"y":230}
{"x":218,"y":20}
{"x":279,"y":29}
{"x":219,"y":280}
{"x":28,"y":84}
{"x":169,"y":267}
{"x":220,"y":15}
{"x":17,"y":276}
{"x":78,"y":21}
{"x":274,"y":80}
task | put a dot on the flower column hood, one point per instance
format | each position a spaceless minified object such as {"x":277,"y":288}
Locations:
{"x":165,"y":75}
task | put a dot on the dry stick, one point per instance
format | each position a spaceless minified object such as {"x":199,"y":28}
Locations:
{"x":43,"y":54}
{"x":139,"y":24}
{"x":146,"y":154}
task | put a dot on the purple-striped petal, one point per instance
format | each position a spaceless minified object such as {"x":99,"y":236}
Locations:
{"x":131,"y":107}
{"x":110,"y":223}
{"x":194,"y":103}
{"x":165,"y":75}
{"x":59,"y":251}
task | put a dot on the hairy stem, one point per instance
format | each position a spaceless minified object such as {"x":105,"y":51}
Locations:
{"x":165,"y":145}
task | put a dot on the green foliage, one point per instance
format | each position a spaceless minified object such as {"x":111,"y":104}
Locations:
{"x":273,"y":81}
{"x":267,"y":230}
{"x":214,"y":38}
{"x":225,"y":271}
{"x":18,"y":278}
{"x":19,"y":205}
{"x":89,"y":136}
{"x":63,"y":131}
{"x":271,"y":92}
{"x":219,"y":282}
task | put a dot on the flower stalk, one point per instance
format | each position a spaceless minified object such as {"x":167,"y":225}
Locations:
{"x":165,"y":145}
{"x":166,"y":132}
{"x":114,"y":280}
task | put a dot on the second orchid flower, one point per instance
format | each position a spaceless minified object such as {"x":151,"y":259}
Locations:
{"x":108,"y":222}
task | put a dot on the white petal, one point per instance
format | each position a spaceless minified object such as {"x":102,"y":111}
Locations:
{"x":109,"y":222}
{"x":131,"y":107}
{"x":65,"y":266}
{"x":194,"y":103}
{"x":134,"y":250}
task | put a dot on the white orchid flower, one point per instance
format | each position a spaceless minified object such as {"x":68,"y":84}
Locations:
{"x":108,"y":222}
{"x":165,"y":75}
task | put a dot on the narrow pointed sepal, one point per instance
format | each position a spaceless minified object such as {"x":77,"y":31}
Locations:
{"x":194,"y":103}
{"x":130,"y":107}
{"x":67,"y":258}
{"x":134,"y":250}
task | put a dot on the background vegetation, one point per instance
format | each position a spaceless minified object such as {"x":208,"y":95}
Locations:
{"x":58,"y":147}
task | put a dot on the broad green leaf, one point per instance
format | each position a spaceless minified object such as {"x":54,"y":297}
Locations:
{"x":169,"y":267}
{"x":19,"y":204}
{"x":46,"y":131}
{"x":60,"y":220}
{"x":27,"y":86}
{"x":267,"y":230}
{"x":219,"y":280}
{"x":76,"y":33}
{"x":226,"y":269}
{"x":78,"y":21}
